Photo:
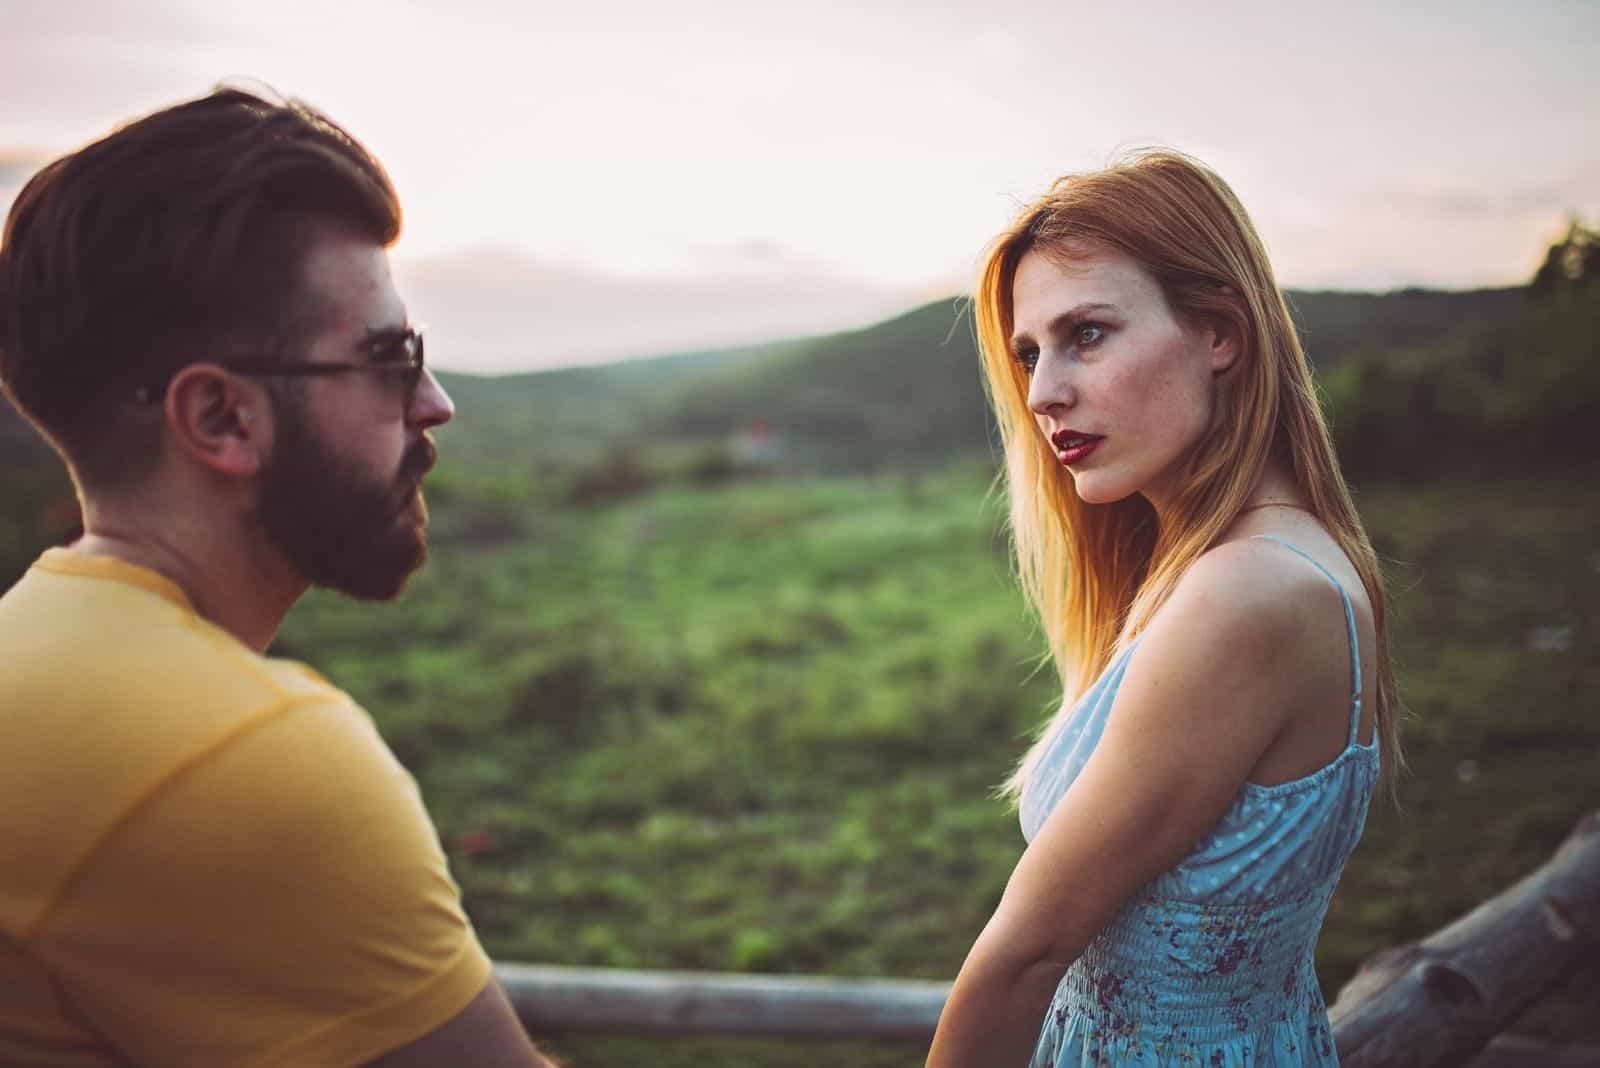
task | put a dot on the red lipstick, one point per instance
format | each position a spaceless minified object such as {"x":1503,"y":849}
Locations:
{"x":1074,"y":446}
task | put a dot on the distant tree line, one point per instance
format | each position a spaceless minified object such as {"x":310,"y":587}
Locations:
{"x":1524,"y":390}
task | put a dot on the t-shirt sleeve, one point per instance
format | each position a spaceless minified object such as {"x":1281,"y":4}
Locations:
{"x":280,"y":898}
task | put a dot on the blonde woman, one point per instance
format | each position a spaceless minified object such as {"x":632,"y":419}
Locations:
{"x":1217,"y":617}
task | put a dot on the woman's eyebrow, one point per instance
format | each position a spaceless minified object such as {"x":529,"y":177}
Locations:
{"x":1066,"y":318}
{"x":1079,"y":312}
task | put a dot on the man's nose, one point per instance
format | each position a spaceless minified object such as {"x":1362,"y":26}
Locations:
{"x":431,"y":406}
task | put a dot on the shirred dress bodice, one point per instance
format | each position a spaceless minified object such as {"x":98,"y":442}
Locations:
{"x":1212,"y":962}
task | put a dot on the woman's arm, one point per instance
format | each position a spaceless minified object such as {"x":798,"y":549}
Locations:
{"x":1216,"y":677}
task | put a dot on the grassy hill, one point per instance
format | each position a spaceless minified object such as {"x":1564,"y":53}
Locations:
{"x":559,"y":418}
{"x":1335,"y":326}
{"x":904,"y":393}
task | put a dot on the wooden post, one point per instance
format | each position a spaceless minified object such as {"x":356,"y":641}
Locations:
{"x":1439,"y":1001}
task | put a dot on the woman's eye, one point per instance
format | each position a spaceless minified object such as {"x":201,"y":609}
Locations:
{"x":1028,"y":359}
{"x":1089,"y":333}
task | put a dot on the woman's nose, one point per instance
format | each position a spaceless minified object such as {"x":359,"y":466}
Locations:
{"x":1049,"y":389}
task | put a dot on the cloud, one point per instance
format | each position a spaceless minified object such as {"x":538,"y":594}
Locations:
{"x":1453,"y":202}
{"x":1446,"y":233}
{"x":497,"y":310}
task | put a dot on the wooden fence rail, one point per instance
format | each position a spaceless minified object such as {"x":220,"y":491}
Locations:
{"x":612,"y":1001}
{"x":1436,"y":1002}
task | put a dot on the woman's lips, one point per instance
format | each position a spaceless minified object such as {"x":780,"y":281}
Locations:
{"x":1073,"y":447}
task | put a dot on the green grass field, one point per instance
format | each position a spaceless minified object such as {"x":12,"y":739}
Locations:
{"x":757,"y":727}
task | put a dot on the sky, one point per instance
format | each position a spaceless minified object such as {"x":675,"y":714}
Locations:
{"x":598,"y":181}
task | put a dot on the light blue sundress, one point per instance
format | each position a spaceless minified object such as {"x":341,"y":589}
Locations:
{"x":1211,"y":964}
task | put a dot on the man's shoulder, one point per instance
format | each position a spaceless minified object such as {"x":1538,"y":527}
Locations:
{"x":116,"y":650}
{"x":124,"y":708}
{"x":111,"y":695}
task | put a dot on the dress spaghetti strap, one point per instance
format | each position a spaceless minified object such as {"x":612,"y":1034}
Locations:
{"x":1350,"y":625}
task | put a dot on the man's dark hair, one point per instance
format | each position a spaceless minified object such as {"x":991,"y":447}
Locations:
{"x":176,"y":238}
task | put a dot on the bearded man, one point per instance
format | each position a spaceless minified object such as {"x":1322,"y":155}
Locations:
{"x":211,"y":858}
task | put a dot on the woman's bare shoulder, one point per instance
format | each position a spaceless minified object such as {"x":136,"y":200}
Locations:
{"x":1249,"y":609}
{"x":1251,"y":582}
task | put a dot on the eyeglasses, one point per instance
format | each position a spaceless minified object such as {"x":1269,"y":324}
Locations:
{"x":395,"y":352}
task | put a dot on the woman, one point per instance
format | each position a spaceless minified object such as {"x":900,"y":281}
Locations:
{"x":1217,"y":616}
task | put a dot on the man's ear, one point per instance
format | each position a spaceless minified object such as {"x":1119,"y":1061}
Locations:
{"x":219,"y":419}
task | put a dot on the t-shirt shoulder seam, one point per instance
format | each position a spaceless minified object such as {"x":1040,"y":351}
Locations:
{"x":284,"y":704}
{"x":254,"y":663}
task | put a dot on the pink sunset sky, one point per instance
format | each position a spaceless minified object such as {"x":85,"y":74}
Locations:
{"x":607,"y":180}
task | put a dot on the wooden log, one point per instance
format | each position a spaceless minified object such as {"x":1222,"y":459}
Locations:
{"x":555,"y":1000}
{"x":1439,"y":1001}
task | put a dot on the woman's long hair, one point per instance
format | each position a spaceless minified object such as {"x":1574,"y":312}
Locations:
{"x":1096,"y":574}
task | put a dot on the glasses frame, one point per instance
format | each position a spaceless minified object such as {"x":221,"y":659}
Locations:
{"x":412,"y":367}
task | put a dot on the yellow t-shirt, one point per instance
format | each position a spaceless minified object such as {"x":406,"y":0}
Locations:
{"x":207,"y":857}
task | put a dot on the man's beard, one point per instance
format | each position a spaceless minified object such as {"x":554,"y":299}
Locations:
{"x":339,"y":527}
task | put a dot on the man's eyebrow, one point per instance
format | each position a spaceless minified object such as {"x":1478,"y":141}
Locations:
{"x":1067,"y":318}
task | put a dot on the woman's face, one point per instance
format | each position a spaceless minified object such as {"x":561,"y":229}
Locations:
{"x":1119,"y":386}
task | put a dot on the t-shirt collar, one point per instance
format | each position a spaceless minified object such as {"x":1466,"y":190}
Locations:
{"x":68,"y":561}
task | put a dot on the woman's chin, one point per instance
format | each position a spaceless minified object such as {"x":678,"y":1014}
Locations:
{"x":1094,"y":488}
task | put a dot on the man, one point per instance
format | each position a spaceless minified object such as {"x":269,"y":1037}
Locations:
{"x":210,"y":857}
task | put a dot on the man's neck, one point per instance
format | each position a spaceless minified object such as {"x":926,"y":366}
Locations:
{"x":232,"y":582}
